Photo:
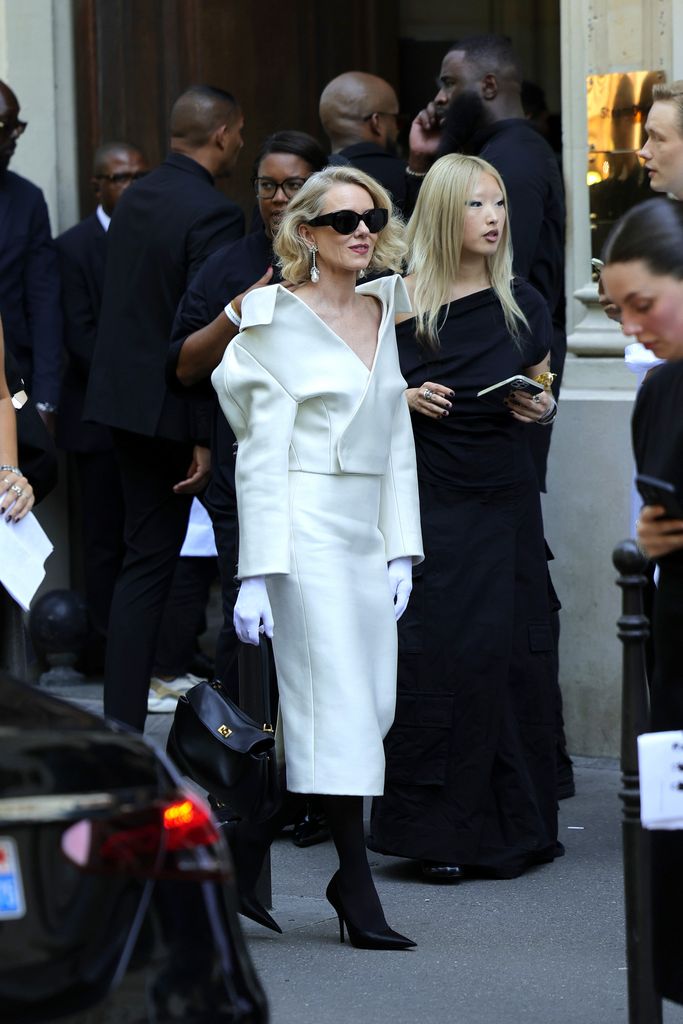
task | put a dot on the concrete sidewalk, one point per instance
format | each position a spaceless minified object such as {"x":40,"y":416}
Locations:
{"x":547,"y":948}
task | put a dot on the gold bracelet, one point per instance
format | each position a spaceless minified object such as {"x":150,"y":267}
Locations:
{"x":546,"y":379}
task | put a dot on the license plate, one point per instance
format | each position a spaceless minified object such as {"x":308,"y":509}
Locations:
{"x":12,"y":903}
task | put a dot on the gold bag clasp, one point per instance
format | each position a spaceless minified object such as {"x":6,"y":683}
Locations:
{"x":224,"y":731}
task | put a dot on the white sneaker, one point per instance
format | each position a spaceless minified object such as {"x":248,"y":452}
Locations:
{"x":160,"y":699}
{"x":179,"y":685}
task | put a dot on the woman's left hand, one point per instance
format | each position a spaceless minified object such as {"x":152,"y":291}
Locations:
{"x":16,"y":496}
{"x":528,"y":409}
{"x":400,"y":583}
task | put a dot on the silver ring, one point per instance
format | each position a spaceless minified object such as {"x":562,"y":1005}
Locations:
{"x":536,"y":398}
{"x":427,"y":394}
{"x":17,"y":489}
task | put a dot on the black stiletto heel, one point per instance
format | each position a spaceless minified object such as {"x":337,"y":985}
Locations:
{"x":250,"y":907}
{"x":386,"y":939}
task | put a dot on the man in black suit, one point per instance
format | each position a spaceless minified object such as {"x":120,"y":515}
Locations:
{"x":359,"y":113}
{"x":81,"y":252}
{"x":163,"y":229}
{"x":29,"y":277}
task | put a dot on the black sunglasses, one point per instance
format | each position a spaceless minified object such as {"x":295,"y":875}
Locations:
{"x":123,"y":178}
{"x":345,"y":222}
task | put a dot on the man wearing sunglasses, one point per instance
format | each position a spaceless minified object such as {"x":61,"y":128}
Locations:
{"x":81,"y":251}
{"x":29,"y":278}
{"x":360,"y":115}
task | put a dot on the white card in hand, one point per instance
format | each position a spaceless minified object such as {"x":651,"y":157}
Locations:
{"x":660,"y":762}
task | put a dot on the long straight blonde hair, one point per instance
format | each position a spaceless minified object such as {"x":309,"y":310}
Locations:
{"x":435,"y":238}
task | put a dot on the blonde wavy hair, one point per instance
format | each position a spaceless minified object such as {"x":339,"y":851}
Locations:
{"x":292,"y":252}
{"x":435,"y":238}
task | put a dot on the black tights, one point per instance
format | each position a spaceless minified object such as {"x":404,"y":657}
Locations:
{"x":345,"y":817}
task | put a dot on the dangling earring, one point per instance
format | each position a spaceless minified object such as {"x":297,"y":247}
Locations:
{"x":361,"y":274}
{"x":314,"y":272}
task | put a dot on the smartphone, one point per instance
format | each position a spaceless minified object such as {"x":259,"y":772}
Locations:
{"x":497,"y":393}
{"x":654,"y":491}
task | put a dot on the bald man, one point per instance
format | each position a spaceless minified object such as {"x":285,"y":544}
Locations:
{"x":29,"y":278}
{"x":360,"y":115}
{"x":81,"y":252}
{"x":163,"y":228}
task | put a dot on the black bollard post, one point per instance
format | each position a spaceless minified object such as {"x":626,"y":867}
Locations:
{"x":644,"y":1004}
{"x":253,"y":662}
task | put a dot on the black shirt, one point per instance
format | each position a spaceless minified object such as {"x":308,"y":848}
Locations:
{"x":477,"y":445}
{"x":228,"y":272}
{"x":658,"y":433}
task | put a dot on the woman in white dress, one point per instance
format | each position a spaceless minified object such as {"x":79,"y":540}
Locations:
{"x":328,"y":509}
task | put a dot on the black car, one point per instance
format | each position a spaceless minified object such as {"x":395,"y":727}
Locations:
{"x":116,"y":889}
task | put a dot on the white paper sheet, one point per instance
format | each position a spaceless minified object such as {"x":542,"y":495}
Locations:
{"x":199,"y":539}
{"x":24,"y":548}
{"x":660,"y":762}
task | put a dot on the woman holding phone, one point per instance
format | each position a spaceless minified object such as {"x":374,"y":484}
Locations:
{"x":471,"y":778}
{"x":644,"y":277}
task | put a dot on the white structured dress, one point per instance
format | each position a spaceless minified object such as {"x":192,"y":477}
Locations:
{"x":327,"y":495}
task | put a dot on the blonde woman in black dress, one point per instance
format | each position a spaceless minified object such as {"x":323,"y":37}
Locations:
{"x":471,"y":758}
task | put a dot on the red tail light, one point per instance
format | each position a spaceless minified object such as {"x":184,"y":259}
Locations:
{"x":149,"y":843}
{"x":188,"y":823}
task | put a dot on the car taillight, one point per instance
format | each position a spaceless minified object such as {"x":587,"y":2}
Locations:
{"x":188,"y":823}
{"x":162,"y":841}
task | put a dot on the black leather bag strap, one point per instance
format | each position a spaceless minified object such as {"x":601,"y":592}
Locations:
{"x":264,"y":664}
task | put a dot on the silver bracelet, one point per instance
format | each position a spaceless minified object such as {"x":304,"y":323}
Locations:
{"x":232,"y":314}
{"x":11,"y":469}
{"x":548,"y":416}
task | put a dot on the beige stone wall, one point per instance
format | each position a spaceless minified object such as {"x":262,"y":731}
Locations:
{"x":587,"y":507}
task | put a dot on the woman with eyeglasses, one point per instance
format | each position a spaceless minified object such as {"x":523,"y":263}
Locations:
{"x":643,"y":275}
{"x":328,"y":511}
{"x":471,"y":755}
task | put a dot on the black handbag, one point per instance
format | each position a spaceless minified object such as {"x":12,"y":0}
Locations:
{"x":226,"y":752}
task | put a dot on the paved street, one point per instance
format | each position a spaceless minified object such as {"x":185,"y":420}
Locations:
{"x":547,"y":948}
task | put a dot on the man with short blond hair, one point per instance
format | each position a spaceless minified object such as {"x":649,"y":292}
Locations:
{"x":663,"y":150}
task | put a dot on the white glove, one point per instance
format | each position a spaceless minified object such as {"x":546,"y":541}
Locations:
{"x":252,"y":608}
{"x":400,"y":583}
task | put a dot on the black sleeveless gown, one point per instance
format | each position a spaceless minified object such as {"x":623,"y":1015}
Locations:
{"x":470,"y":776}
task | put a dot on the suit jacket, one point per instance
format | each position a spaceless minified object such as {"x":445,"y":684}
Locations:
{"x":163,"y":228}
{"x":384,"y":167}
{"x":81,"y":252}
{"x":29,"y":287}
{"x":298,"y":398}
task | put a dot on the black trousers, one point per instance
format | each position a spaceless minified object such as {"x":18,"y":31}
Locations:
{"x":184,"y":616}
{"x":155,"y":525}
{"x":102,"y":516}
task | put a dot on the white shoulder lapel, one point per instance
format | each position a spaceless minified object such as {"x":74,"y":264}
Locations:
{"x":259,"y":306}
{"x":389,"y":289}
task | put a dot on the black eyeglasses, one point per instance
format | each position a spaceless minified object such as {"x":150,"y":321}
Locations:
{"x":400,"y":118}
{"x":124,"y":178}
{"x":266,"y":188}
{"x":345,"y":222}
{"x":13,"y":128}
